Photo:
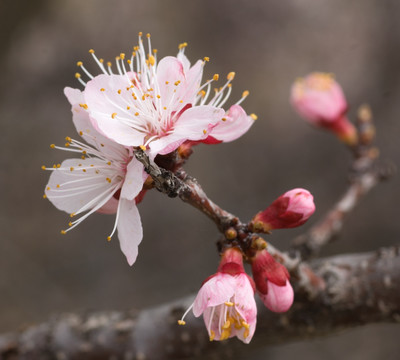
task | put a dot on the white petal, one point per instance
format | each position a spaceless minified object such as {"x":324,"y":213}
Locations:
{"x":133,"y":183}
{"x":130,"y":232}
{"x":71,"y":190}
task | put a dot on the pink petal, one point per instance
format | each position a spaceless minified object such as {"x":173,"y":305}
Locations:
{"x":194,"y":124}
{"x":279,"y":298}
{"x":71,"y":196}
{"x":169,"y":71}
{"x":215,"y":291}
{"x":130,"y":232}
{"x":103,"y":104}
{"x":85,"y":128}
{"x":237,"y":123}
{"x":110,"y":207}
{"x":133,"y":182}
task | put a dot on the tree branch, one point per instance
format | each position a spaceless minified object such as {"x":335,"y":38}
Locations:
{"x":360,"y":289}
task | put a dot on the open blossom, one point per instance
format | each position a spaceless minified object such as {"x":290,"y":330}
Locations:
{"x":272,"y":282}
{"x":106,"y":178}
{"x":158,"y":105}
{"x":291,"y":209}
{"x":226,"y":301}
{"x":319,"y":99}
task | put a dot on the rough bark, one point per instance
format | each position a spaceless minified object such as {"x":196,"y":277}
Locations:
{"x":358,"y":289}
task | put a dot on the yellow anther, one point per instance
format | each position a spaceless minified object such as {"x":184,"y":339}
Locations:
{"x":102,"y":89}
{"x":212,"y":335}
{"x":109,"y":63}
{"x":84,"y":152}
{"x":143,"y":147}
{"x":206,"y":59}
{"x":246,"y":333}
{"x":68,"y":138}
{"x":128,"y":108}
{"x":43,"y":167}
{"x":67,"y":144}
{"x":71,"y":168}
{"x":165,"y":108}
{"x":113,"y":115}
{"x":245,"y":93}
{"x":48,"y":188}
{"x":77,"y":75}
{"x":204,"y":131}
{"x":52,"y":146}
{"x":63,"y":232}
{"x":129,"y":61}
{"x":152,"y":60}
{"x":181,"y":101}
{"x":227,"y":325}
{"x":254,"y":116}
{"x":223,"y":119}
{"x":72,"y":215}
{"x":229,"y":85}
{"x":79,"y":63}
{"x":182,"y":45}
{"x":58,"y":186}
{"x":245,"y":325}
{"x":44,"y":196}
{"x":148,"y":35}
{"x":54,"y":166}
{"x":58,"y":166}
{"x":118,"y":58}
{"x":181,"y":322}
{"x":155,"y":51}
{"x":83,"y":106}
{"x":136,"y":48}
{"x":84,"y":170}
{"x":101,"y":60}
{"x":216,"y":77}
{"x":122,"y":56}
{"x":91,"y":51}
{"x":109,"y":163}
{"x":108,"y":180}
{"x":158,"y":96}
{"x":231,"y":75}
{"x":225,"y":334}
{"x":83,"y":157}
{"x":176,"y":83}
{"x":108,"y":238}
{"x":229,"y":303}
{"x":119,"y":91}
{"x":70,"y":223}
{"x":140,"y":33}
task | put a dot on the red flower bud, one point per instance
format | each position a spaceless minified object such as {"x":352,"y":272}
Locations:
{"x":319,"y":99}
{"x":290,"y":210}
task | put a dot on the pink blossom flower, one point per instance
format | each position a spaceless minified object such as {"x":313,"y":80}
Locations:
{"x":226,"y":301}
{"x":319,"y":99}
{"x":272,"y":282}
{"x":291,"y":209}
{"x":158,"y":105}
{"x":106,"y":178}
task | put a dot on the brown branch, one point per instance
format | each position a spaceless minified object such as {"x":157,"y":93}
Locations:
{"x":360,"y":289}
{"x":365,"y":174}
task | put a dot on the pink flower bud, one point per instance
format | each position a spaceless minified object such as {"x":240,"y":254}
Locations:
{"x":226,"y":300}
{"x":272,"y":282}
{"x":319,"y":99}
{"x":290,"y":210}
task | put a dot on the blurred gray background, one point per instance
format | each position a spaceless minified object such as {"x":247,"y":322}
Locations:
{"x":268,"y":43}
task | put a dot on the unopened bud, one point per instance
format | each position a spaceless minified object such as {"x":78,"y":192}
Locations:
{"x":319,"y":99}
{"x":230,"y":234}
{"x":290,"y":210}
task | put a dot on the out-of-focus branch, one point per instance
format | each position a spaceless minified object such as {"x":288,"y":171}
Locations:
{"x":360,"y":289}
{"x":365,"y":174}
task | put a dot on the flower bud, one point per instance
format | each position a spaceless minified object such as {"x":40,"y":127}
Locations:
{"x":290,"y":210}
{"x":319,"y":99}
{"x":272,"y":282}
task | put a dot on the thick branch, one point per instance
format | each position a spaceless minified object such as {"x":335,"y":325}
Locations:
{"x":360,"y":289}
